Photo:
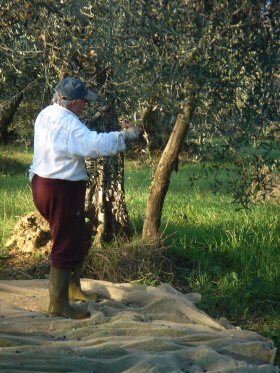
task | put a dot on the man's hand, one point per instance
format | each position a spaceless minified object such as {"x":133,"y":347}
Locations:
{"x":131,"y":131}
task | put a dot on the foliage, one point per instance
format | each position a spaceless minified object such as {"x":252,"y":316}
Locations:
{"x":148,"y":50}
{"x":140,"y":55}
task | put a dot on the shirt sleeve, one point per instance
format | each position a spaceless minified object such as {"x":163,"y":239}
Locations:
{"x":83,"y":142}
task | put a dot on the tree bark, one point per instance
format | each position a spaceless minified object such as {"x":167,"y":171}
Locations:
{"x":160,"y":183}
{"x":7,"y":112}
{"x":105,"y":196}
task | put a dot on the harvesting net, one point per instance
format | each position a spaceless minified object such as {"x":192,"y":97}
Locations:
{"x":132,"y":329}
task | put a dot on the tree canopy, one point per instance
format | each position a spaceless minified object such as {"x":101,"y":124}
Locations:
{"x":145,"y":57}
{"x":146,"y":51}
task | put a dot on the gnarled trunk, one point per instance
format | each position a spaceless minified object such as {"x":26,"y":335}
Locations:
{"x":105,"y":197}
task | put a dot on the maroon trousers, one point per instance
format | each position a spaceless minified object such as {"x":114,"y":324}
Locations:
{"x":61,"y":203}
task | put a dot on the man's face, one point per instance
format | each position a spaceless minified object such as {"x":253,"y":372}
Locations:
{"x":77,"y":106}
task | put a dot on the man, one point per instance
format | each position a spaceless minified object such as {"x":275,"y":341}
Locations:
{"x":58,"y":176}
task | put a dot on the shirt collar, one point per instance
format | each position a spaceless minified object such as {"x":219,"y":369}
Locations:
{"x":62,"y":108}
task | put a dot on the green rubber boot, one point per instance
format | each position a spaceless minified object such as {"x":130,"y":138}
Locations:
{"x":59,"y":301}
{"x":75,"y":290}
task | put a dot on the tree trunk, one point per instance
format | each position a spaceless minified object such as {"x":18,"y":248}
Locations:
{"x":7,"y":112}
{"x":105,"y":197}
{"x":160,"y":184}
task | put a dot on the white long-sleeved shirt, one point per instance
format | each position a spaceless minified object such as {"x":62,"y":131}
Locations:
{"x":62,"y":141}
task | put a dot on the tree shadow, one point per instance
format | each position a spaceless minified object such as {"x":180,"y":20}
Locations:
{"x":9,"y":166}
{"x":228,"y":288}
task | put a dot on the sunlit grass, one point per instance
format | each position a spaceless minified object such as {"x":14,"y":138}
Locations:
{"x":15,"y":190}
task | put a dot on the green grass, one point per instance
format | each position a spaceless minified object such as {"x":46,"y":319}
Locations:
{"x":15,"y":190}
{"x":230,"y":251}
{"x":230,"y":256}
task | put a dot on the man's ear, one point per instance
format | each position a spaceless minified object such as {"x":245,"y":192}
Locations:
{"x":72,"y":103}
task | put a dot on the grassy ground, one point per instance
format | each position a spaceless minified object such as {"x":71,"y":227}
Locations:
{"x":14,"y":190}
{"x":230,"y":256}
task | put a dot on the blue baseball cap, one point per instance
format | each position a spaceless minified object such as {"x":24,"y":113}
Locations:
{"x":74,"y":89}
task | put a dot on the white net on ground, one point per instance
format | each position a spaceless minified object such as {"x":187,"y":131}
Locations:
{"x":132,"y":329}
